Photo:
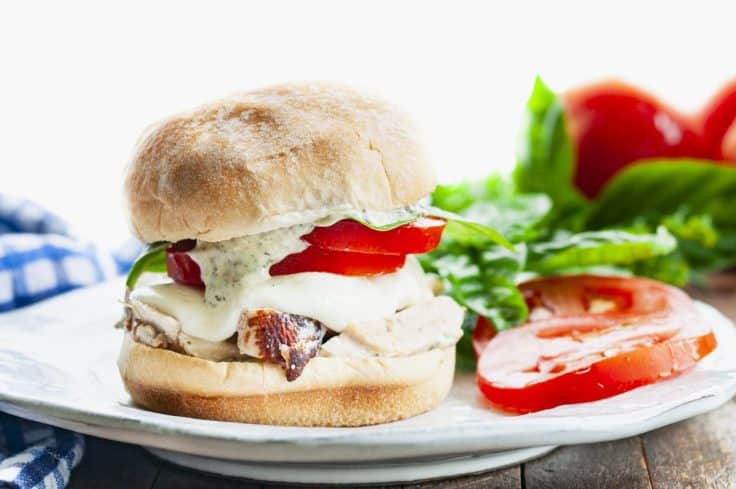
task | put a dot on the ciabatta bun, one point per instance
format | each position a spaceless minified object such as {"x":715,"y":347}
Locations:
{"x":332,"y":391}
{"x":270,"y":158}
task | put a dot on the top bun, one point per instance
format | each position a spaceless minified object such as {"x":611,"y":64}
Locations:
{"x":270,"y":158}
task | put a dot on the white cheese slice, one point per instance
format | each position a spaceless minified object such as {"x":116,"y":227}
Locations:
{"x":335,"y":300}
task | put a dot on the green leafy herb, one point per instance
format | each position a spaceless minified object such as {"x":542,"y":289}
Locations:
{"x":545,"y":154}
{"x":153,"y":259}
{"x":494,"y":202}
{"x":482,"y":281}
{"x":466,"y":229}
{"x":388,"y":221}
{"x":591,"y":248}
{"x":657,"y":188}
{"x":671,"y":268}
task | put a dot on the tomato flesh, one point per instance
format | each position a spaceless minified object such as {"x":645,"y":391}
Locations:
{"x":588,"y":338}
{"x":605,"y":378}
{"x":314,"y":259}
{"x":420,"y":236}
{"x":180,"y":266}
{"x":482,"y":335}
{"x":613,"y":124}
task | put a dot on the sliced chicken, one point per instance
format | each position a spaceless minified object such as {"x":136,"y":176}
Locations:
{"x":286,"y":339}
{"x":152,"y":327}
{"x":291,"y":340}
{"x":432,"y":324}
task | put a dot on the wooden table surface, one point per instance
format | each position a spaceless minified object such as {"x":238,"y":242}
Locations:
{"x":700,"y":452}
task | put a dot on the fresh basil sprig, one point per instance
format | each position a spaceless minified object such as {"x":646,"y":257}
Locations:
{"x":693,"y":199}
{"x":594,"y":248}
{"x":458,"y":226}
{"x":153,"y":259}
{"x":384,"y":222}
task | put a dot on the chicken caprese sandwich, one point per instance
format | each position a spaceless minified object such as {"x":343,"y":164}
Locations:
{"x":280,"y":285}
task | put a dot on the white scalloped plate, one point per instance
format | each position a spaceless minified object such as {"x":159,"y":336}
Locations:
{"x":57,"y":365}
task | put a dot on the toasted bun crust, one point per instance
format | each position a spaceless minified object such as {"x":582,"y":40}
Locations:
{"x":273,"y":157}
{"x":331,"y":391}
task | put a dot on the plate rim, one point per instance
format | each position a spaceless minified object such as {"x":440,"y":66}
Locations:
{"x":406,"y":471}
{"x":471,"y":437}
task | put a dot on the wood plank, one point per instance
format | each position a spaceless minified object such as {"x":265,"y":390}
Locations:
{"x":699,"y":452}
{"x":602,"y":465}
{"x":509,"y":478}
{"x":113,"y":465}
{"x":276,"y":485}
{"x":173,"y":477}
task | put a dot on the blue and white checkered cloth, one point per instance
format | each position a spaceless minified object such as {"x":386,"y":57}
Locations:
{"x":40,"y":258}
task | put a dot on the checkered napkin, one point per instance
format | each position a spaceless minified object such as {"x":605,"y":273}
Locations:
{"x":40,"y":258}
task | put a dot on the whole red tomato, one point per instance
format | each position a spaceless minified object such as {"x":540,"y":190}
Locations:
{"x":718,"y":124}
{"x":613,"y":124}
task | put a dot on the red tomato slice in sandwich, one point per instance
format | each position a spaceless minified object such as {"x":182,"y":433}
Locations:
{"x":182,"y":269}
{"x":315,"y":259}
{"x":588,"y":338}
{"x":420,"y":236}
{"x":180,"y":266}
{"x":346,"y":248}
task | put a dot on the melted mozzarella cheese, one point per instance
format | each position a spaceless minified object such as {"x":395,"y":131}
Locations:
{"x":335,"y":300}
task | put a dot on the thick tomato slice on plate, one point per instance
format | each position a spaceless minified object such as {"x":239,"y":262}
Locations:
{"x":314,"y":259}
{"x":588,"y":338}
{"x":482,"y":334}
{"x":420,"y":236}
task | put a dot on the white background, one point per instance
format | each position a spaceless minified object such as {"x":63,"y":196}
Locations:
{"x":78,"y":82}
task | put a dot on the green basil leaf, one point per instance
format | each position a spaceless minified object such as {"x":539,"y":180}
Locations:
{"x":590,"y":248}
{"x":458,"y":197}
{"x":519,"y":219}
{"x":153,"y":259}
{"x":464,"y":229}
{"x":545,"y":159}
{"x":481,"y":280}
{"x":386,"y":221}
{"x":672,"y":269}
{"x":656,"y":188}
{"x":494,"y":202}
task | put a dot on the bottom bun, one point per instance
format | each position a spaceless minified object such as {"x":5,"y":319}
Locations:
{"x":332,"y":391}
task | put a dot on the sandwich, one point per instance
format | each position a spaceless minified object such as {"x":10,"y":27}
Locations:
{"x":280,"y":284}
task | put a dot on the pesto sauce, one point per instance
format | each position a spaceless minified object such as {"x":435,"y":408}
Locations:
{"x":230,"y":266}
